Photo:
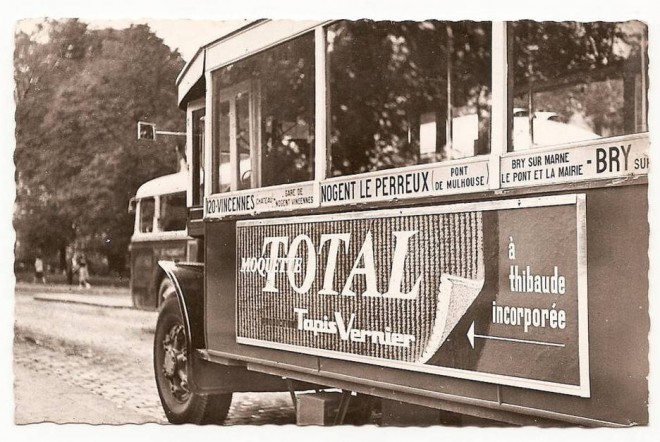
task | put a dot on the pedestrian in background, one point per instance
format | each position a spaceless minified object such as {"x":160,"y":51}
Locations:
{"x":69,"y":265}
{"x":83,"y":272}
{"x":39,"y":269}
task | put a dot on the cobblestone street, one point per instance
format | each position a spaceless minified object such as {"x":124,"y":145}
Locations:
{"x":107,"y":352}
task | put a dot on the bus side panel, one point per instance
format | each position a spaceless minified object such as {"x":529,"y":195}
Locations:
{"x":142,"y":270}
{"x":617,"y":243}
{"x":411,"y":380}
{"x":618,"y":265}
{"x":144,"y":266}
{"x":220,"y":293}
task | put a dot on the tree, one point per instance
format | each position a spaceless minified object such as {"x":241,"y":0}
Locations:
{"x":79,"y":95}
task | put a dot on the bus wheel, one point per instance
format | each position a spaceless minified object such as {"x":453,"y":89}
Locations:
{"x":181,"y":405}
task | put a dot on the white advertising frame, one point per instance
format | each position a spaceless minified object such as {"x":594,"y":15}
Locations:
{"x":582,"y":389}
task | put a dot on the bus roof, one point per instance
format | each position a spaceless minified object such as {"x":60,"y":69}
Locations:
{"x":236,"y":44}
{"x":163,"y":185}
{"x":193,"y":71}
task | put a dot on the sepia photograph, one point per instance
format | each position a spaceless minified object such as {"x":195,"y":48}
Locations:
{"x":330,"y":220}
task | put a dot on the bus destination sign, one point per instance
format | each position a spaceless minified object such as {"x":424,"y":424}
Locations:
{"x":431,"y":180}
{"x":493,"y":291}
{"x":598,"y":160}
{"x":267,"y":199}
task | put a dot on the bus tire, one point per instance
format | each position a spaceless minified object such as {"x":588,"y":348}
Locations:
{"x":181,"y":405}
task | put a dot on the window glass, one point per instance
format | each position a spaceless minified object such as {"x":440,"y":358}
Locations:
{"x":265,"y":115}
{"x":243,"y":141}
{"x":173,"y":213}
{"x":147,"y":207}
{"x":223,"y":181}
{"x":198,"y":155}
{"x":405,"y":93}
{"x":576,"y":81}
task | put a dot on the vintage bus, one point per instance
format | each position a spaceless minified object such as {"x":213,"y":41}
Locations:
{"x":159,"y":234}
{"x":439,"y":216}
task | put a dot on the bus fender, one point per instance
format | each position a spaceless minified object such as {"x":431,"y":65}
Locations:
{"x":188,"y":281}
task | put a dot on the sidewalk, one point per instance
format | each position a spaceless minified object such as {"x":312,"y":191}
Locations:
{"x":116,"y":297}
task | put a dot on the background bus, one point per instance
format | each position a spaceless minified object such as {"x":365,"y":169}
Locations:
{"x":159,"y":233}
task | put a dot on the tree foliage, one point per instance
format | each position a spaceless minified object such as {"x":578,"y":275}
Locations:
{"x":79,"y":93}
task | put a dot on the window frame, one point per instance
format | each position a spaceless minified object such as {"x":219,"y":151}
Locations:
{"x":509,"y":110}
{"x":157,"y":219}
{"x":194,"y":106}
{"x":138,"y":217}
{"x":448,"y":104}
{"x":251,"y":87}
{"x":212,"y":156}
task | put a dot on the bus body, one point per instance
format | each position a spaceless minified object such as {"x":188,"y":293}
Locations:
{"x":445,"y":214}
{"x":159,"y":234}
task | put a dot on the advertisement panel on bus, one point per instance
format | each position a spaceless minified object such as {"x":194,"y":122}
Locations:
{"x":460,"y":290}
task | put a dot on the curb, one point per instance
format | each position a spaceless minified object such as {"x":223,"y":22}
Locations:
{"x":70,"y":289}
{"x":81,"y":302}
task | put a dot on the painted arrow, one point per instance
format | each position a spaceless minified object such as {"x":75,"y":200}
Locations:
{"x":471,"y":335}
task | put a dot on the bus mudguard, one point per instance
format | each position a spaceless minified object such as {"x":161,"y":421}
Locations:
{"x":188,"y":281}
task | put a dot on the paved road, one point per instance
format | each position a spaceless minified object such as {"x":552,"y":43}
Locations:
{"x":43,"y":395}
{"x":83,"y":363}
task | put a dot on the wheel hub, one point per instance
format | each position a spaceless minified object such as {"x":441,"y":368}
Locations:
{"x":169,"y":364}
{"x":175,"y":361}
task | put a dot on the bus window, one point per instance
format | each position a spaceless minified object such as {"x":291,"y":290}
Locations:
{"x":576,"y":81}
{"x":173,"y":212}
{"x":264,"y":117}
{"x":234,"y":137}
{"x":147,"y":210}
{"x":406,"y":93}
